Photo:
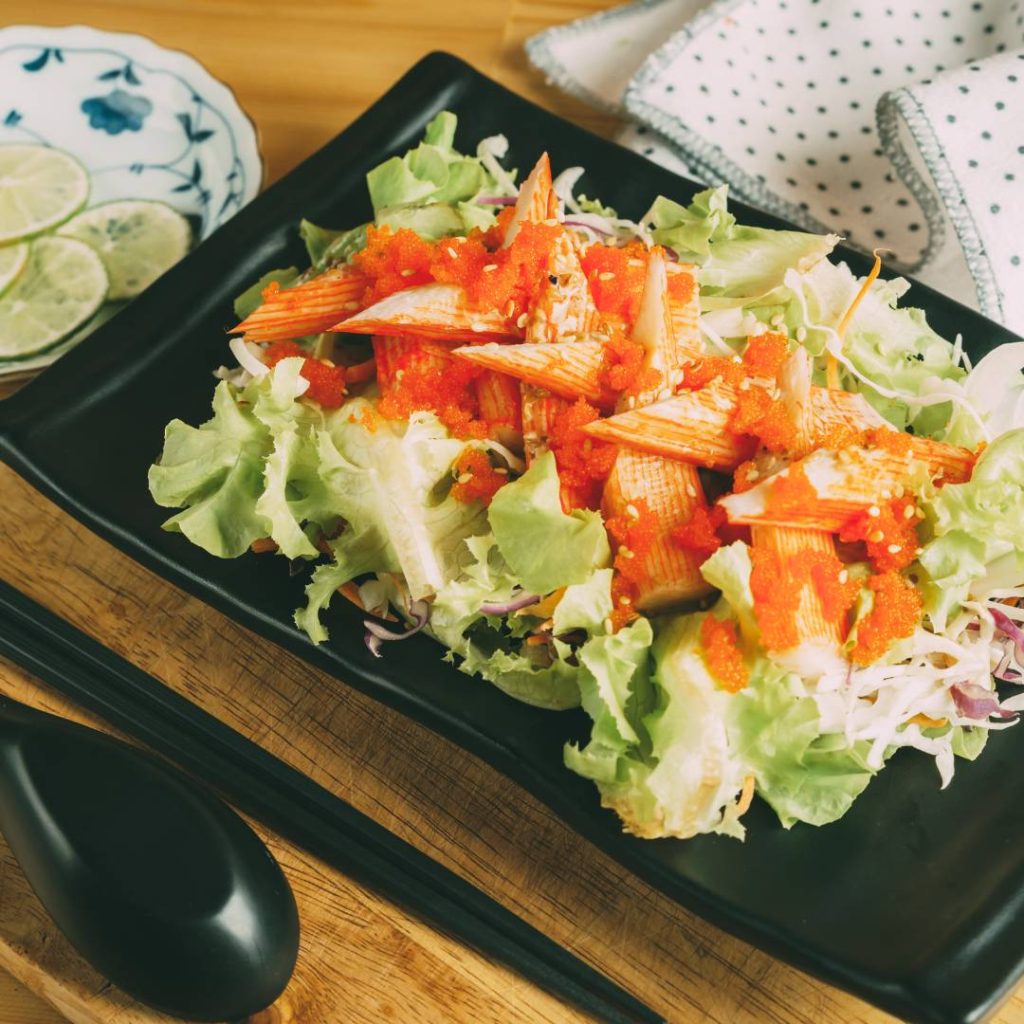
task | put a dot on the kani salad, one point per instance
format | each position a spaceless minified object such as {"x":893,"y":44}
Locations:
{"x":763,"y":524}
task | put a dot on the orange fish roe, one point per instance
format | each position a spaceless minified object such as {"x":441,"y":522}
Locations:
{"x":505,"y":279}
{"x":765,"y":354}
{"x":792,"y":491}
{"x":894,"y":615}
{"x":623,"y":368}
{"x":475,"y":478}
{"x":702,"y":372}
{"x":326,"y":381}
{"x":893,"y":441}
{"x":721,"y":650}
{"x":624,"y":594}
{"x":777,"y":584}
{"x":700,"y":532}
{"x":393,"y":260}
{"x":424,"y":376}
{"x":616,"y":275}
{"x":746,"y":475}
{"x":583,"y":463}
{"x":889,"y":532}
{"x":759,"y":415}
{"x":634,"y":535}
{"x":681,"y":286}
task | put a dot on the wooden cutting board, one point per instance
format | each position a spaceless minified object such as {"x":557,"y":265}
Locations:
{"x":304,"y":70}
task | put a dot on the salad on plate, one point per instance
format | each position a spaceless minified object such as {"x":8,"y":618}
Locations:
{"x":759,"y":520}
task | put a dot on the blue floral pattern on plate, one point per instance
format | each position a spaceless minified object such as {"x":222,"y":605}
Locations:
{"x":148,"y":123}
{"x":117,"y":112}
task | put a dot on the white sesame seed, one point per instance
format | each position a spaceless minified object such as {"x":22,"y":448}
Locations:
{"x":874,"y":511}
{"x":632,"y":511}
{"x":634,"y":262}
{"x":887,"y":494}
{"x":899,"y":490}
{"x":605,"y":275}
{"x":452,"y":252}
{"x":908,"y":512}
{"x":521,"y":322}
{"x":737,"y":359}
{"x":490,"y":268}
{"x":876,"y":536}
{"x":844,"y":575}
{"x":919,"y":513}
{"x":464,"y":478}
{"x":918,"y":551}
{"x":631,"y":402}
{"x":801,"y":334}
{"x":501,"y":471}
{"x":608,"y":625}
{"x":625,"y":599}
{"x":691,"y":490}
{"x":626,"y":552}
{"x":478,"y":328}
{"x":777,"y":320}
{"x":407,"y":272}
{"x":894,"y":549}
{"x":753,"y":473}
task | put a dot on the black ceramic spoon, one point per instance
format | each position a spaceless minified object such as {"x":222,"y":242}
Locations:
{"x":160,"y":886}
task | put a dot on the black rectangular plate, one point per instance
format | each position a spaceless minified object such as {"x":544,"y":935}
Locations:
{"x":914,"y":901}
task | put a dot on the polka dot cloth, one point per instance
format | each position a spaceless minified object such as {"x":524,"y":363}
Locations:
{"x":898,"y":124}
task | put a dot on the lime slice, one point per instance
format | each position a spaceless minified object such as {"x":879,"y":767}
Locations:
{"x":12,"y":262}
{"x":40,"y":188}
{"x":62,"y":286}
{"x":136,"y":239}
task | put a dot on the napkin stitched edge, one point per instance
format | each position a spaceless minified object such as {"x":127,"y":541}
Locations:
{"x":903,"y":103}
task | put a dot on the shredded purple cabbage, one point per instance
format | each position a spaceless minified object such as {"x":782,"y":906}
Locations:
{"x":376,"y":634}
{"x":511,"y":605}
{"x":974,"y":701}
{"x":495,"y":200}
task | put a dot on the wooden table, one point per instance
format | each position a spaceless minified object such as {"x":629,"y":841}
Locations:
{"x":303,"y":70}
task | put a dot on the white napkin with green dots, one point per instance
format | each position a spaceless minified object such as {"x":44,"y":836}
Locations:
{"x":897,"y":123}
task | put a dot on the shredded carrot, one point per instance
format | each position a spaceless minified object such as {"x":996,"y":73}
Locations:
{"x":832,"y":364}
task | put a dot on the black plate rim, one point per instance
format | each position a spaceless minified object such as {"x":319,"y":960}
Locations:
{"x":915,"y":998}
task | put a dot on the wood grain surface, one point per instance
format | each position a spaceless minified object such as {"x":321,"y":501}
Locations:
{"x":304,"y":70}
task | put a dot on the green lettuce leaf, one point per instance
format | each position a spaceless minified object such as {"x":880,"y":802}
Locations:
{"x":545,"y":548}
{"x":804,"y":775}
{"x":432,"y":187}
{"x":252,"y":298}
{"x":978,"y":544}
{"x":728,"y":570}
{"x":327,"y":246}
{"x":216,"y":472}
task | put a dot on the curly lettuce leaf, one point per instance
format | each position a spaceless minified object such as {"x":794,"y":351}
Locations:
{"x":977,"y":543}
{"x":432,"y":188}
{"x":544,"y":547}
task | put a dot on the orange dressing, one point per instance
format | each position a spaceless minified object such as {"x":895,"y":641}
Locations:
{"x":721,"y":651}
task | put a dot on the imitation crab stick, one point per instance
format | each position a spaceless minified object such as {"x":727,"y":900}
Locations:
{"x":534,"y":200}
{"x":308,"y":308}
{"x":500,"y":407}
{"x":670,"y":490}
{"x":824,"y":490}
{"x":809,"y":591}
{"x":571,"y":369}
{"x":438,"y":311}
